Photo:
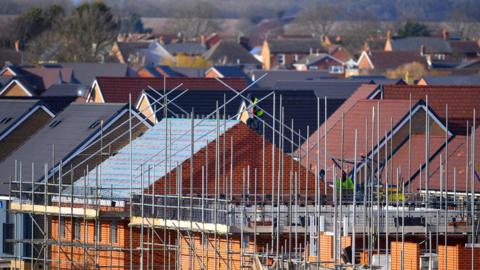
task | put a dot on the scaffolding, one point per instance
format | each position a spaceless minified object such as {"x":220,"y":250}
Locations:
{"x":246,"y":221}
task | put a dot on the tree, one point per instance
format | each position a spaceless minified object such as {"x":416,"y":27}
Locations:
{"x":319,"y":19}
{"x":410,"y":72}
{"x":182,"y":60}
{"x":84,"y":35}
{"x":133,"y":24}
{"x":412,"y":29}
{"x":195,"y":19}
{"x":87,"y":33}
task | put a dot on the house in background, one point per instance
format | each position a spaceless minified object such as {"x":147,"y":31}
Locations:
{"x":378,"y":62}
{"x":283,"y":53}
{"x":236,"y":71}
{"x":32,"y":81}
{"x":434,"y":48}
{"x":231,"y":53}
{"x":143,"y":53}
{"x":118,"y":89}
{"x":450,"y":80}
{"x":321,"y":61}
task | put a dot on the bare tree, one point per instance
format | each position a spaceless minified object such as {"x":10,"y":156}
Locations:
{"x":195,"y":19}
{"x":319,"y":19}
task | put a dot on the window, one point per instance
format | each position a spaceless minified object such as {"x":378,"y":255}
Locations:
{"x":281,"y":59}
{"x":55,"y":123}
{"x":113,"y":232}
{"x":77,"y":229}
{"x":336,"y":69}
{"x":5,"y":120}
{"x":62,"y":228}
{"x":94,"y":124}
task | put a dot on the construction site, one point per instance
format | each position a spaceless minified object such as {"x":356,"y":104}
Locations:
{"x":385,"y":181}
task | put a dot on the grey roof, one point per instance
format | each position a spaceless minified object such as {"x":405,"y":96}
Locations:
{"x":14,"y":109}
{"x":189,"y":72}
{"x":313,"y":58}
{"x":86,"y":72}
{"x":131,"y":48}
{"x":185,"y":48}
{"x":453,"y":80}
{"x":331,"y":88}
{"x":10,"y":56}
{"x":65,"y":90}
{"x":230,"y":53}
{"x":413,"y":44}
{"x":72,"y":131}
{"x":286,"y":75}
{"x":296,"y":46}
{"x":149,"y":152}
{"x":4,"y":80}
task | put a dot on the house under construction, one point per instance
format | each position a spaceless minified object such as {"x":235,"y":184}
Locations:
{"x":387,"y":181}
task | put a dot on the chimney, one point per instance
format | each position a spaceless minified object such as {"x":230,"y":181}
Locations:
{"x":423,"y":50}
{"x":389,"y":35}
{"x":445,"y":33}
{"x":17,"y":45}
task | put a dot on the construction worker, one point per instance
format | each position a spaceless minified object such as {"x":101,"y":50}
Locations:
{"x":254,"y":113}
{"x":345,"y":182}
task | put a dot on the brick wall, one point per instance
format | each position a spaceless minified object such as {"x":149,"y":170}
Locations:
{"x":458,"y":257}
{"x":78,"y":252}
{"x":411,"y":255}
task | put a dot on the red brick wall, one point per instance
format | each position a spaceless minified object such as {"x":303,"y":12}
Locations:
{"x":458,"y":257}
{"x":74,"y":256}
{"x":411,"y":257}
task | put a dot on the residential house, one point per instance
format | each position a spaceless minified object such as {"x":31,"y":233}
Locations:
{"x":378,"y":62}
{"x":468,"y":67}
{"x":185,"y":48}
{"x":180,"y":104}
{"x":19,"y":120}
{"x":118,"y":89}
{"x":85,"y":73}
{"x":31,"y":81}
{"x":114,"y":230}
{"x":144,"y":53}
{"x":231,"y":53}
{"x":450,"y":80}
{"x":162,"y":71}
{"x":73,"y":138}
{"x":271,"y":77}
{"x":322,"y":61}
{"x":226,"y":72}
{"x":283,"y":53}
{"x":435,"y":48}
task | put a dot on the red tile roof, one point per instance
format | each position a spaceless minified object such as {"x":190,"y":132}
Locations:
{"x":461,"y":101}
{"x":456,"y":160}
{"x":247,"y":153}
{"x":401,"y":158}
{"x":393,"y":59}
{"x":355,"y":118}
{"x":363,"y":92}
{"x":117,"y":89}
